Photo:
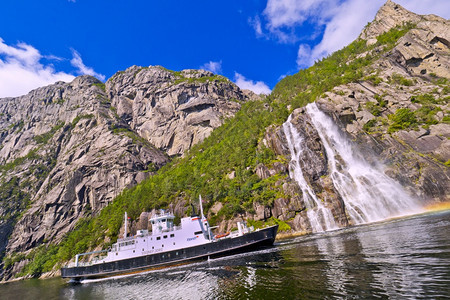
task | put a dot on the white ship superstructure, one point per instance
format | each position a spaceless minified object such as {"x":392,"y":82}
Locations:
{"x":165,"y":236}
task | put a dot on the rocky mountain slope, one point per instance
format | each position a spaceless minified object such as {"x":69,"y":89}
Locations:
{"x":173,"y":110}
{"x":68,"y":149}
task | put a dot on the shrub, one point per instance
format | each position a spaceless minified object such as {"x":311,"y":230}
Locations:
{"x":100,"y":85}
{"x":402,"y":119}
{"x":400,"y":80}
{"x":423,"y":99}
{"x":45,"y":137}
{"x":369,"y":124}
{"x":282,"y":226}
{"x":373,"y":108}
{"x":78,"y":118}
{"x":426,"y":114}
{"x":374,"y":79}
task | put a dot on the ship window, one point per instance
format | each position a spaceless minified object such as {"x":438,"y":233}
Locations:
{"x":144,"y":240}
{"x":142,"y":249}
{"x":153,"y":247}
{"x":174,"y":243}
{"x":165,"y":236}
{"x":198,"y":232}
{"x":176,"y":253}
{"x":172,"y":235}
{"x":158,"y":238}
{"x":133,"y":251}
{"x":116,"y":253}
{"x":163,"y":246}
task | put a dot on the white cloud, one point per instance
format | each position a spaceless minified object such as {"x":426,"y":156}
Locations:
{"x":283,"y":17}
{"x":343,"y":27}
{"x":256,"y":24}
{"x":425,"y":7}
{"x":22,"y":71}
{"x":257,"y":87}
{"x":289,"y":13}
{"x":77,"y":62}
{"x":303,"y":55}
{"x":213,"y":66}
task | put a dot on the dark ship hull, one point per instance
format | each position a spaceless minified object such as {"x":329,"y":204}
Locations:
{"x":223,"y":247}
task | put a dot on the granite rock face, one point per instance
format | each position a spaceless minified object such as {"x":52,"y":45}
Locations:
{"x":424,"y":49}
{"x":173,"y":110}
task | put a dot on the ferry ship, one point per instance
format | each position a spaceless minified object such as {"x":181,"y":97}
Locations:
{"x":167,"y":245}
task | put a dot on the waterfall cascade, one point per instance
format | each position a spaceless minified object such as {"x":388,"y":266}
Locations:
{"x":368,"y":194}
{"x":319,"y":216}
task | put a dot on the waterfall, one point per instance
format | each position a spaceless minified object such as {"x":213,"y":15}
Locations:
{"x":369,"y":195}
{"x":320,"y":218}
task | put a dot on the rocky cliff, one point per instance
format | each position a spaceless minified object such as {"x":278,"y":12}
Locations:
{"x":69,"y":148}
{"x":173,"y":110}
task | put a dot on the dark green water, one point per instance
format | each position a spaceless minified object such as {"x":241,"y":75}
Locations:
{"x":407,"y":258}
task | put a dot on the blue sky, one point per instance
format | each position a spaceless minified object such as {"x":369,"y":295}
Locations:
{"x":253,"y":42}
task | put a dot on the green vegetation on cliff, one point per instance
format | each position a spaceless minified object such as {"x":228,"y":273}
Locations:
{"x":341,"y":67}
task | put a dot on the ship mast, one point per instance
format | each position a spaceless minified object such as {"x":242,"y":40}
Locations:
{"x":204,"y":221}
{"x":201,"y":207}
{"x":126,"y":224}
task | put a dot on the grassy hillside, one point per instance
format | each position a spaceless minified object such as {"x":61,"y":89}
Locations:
{"x":231,"y":147}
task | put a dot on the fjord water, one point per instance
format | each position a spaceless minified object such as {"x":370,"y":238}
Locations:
{"x":401,"y":258}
